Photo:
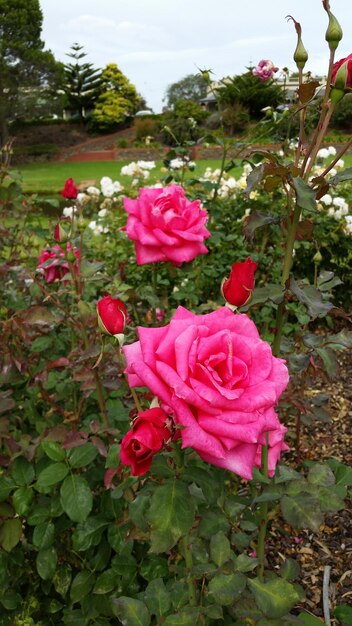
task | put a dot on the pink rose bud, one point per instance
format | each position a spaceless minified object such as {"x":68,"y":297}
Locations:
{"x":237,"y":289}
{"x":60,"y":234}
{"x":112,"y":315}
{"x":53,"y":263}
{"x":70,"y":190}
{"x":147,"y":437}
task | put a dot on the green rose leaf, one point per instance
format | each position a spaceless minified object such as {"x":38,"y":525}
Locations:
{"x":22,"y":471}
{"x":44,"y":535}
{"x":220,"y":549}
{"x":53,"y":450}
{"x":106,"y":582}
{"x":10,"y":534}
{"x":6,"y":486}
{"x":344,"y":614}
{"x":289,"y":569}
{"x":157,"y":598}
{"x":321,"y":474}
{"x":131,"y":612}
{"x":81,"y":585}
{"x":302,"y":511}
{"x":171,"y":515}
{"x":21,"y":500}
{"x":183,"y":618}
{"x":275,"y":597}
{"x":82,"y":456}
{"x":46,"y":563}
{"x":76,"y":498}
{"x":51,"y":475}
{"x":226,"y":588}
{"x":304,"y":194}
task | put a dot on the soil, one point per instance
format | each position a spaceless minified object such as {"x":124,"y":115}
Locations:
{"x":332,"y":546}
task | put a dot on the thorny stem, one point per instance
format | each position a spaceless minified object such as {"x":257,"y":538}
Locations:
{"x":263,"y":515}
{"x":189,"y":565}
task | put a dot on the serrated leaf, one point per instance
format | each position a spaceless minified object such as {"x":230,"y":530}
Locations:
{"x":21,"y":500}
{"x":226,"y":588}
{"x":220,"y":549}
{"x":311,"y":298}
{"x":302,"y":511}
{"x":344,"y":613}
{"x":76,"y":498}
{"x":131,"y":612}
{"x":89,"y":533}
{"x":260,"y":295}
{"x":254,"y":178}
{"x":171,"y":515}
{"x":305,"y":195}
{"x":289,"y":570}
{"x":51,"y":475}
{"x":10,"y":534}
{"x":106,"y":582}
{"x":44,"y":535}
{"x":39,"y":515}
{"x":157,"y":598}
{"x":53,"y":450}
{"x":6,"y":486}
{"x":46,"y":563}
{"x":275,"y":597}
{"x":82,"y":585}
{"x":341,"y":177}
{"x":22,"y":471}
{"x":321,"y":474}
{"x":62,"y":579}
{"x":307,"y":619}
{"x":82,"y":456}
{"x":255,"y":220}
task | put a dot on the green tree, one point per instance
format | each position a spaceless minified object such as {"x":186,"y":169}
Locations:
{"x":117,"y":101}
{"x":24,"y":64}
{"x":81,"y":82}
{"x":191,"y":87}
{"x":248,"y":90}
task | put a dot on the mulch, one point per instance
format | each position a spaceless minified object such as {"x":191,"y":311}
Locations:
{"x":332,"y":546}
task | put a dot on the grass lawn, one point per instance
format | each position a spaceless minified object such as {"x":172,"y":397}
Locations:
{"x":46,"y":178}
{"x":49,"y":178}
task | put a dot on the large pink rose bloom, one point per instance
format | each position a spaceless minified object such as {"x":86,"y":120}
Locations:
{"x":220,"y":381}
{"x":166,"y":226}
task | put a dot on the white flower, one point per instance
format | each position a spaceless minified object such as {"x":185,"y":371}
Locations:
{"x":81,"y":197}
{"x":339,"y":164}
{"x":117,"y":186}
{"x":108,"y":190}
{"x":340,"y":203}
{"x":338,"y":214}
{"x":97,"y":228}
{"x":68,"y":211}
{"x":331,"y":212}
{"x":327,"y":199}
{"x":93,"y":191}
{"x":102,"y":213}
{"x":332,"y":150}
{"x":176,"y":164}
{"x":333,"y":172}
{"x":348,"y":226}
{"x":323,"y":153}
{"x":106,"y":180}
{"x":146,"y":165}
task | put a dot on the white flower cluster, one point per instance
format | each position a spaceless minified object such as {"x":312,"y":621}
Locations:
{"x":179,"y":163}
{"x":324,"y":153}
{"x":338,"y":208}
{"x":138,"y":169}
{"x":229,"y":186}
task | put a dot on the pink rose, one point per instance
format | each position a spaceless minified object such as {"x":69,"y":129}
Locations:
{"x":53,"y":264}
{"x":147,"y":437}
{"x":166,"y":226}
{"x":220,"y":381}
{"x":265,"y":70}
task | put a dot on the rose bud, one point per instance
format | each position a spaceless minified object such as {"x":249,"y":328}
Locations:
{"x":237,"y":289}
{"x":333,"y":33}
{"x":60,"y":234}
{"x":112,"y":315}
{"x":147,"y":437}
{"x":70,"y":190}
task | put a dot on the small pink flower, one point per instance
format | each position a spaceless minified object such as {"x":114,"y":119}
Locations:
{"x":165,"y":226}
{"x":298,"y":540}
{"x":253,"y":554}
{"x":265,"y":69}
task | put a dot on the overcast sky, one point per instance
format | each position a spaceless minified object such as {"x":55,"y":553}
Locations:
{"x":157,"y":42}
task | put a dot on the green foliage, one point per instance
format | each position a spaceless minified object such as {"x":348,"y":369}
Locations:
{"x":248,"y":90}
{"x":82,"y":82}
{"x":184,"y":122}
{"x":191,"y":87}
{"x":117,"y":100}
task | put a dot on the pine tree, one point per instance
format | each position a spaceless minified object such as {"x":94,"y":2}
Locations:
{"x":82,"y":82}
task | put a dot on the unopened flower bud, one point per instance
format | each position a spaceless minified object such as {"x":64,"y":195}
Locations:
{"x":112,"y":315}
{"x":334,"y":32}
{"x":317,"y":258}
{"x":341,"y":79}
{"x":81,"y":224}
{"x":60,"y":234}
{"x":71,"y":257}
{"x":300,"y":55}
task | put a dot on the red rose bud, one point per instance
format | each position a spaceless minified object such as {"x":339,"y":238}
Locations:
{"x":112,"y":315}
{"x":60,"y":234}
{"x":341,"y":78}
{"x":237,"y":289}
{"x":70,"y":190}
{"x":147,"y":437}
